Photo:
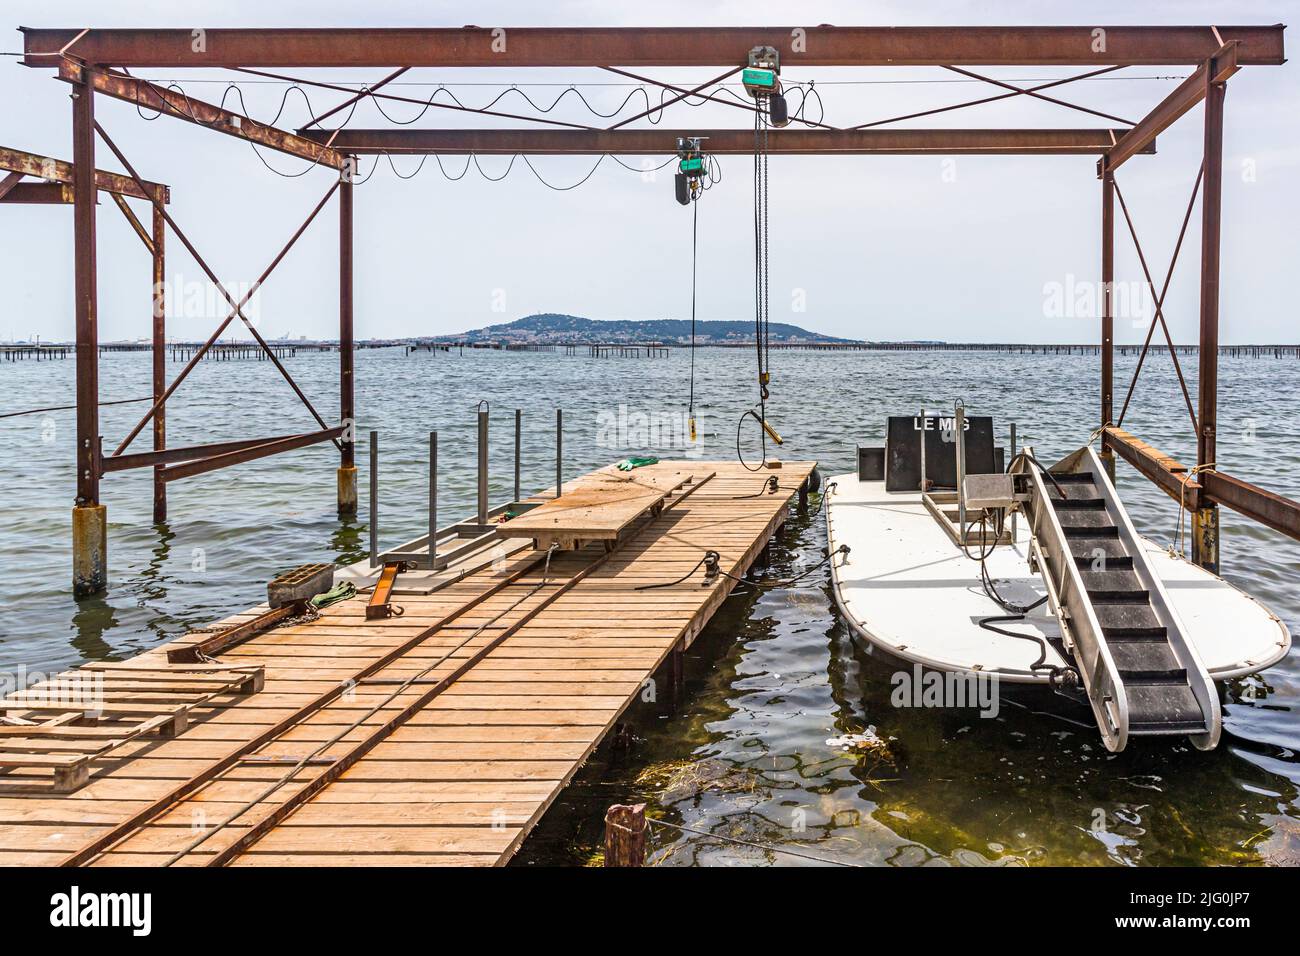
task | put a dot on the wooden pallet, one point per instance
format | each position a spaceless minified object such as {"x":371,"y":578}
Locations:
{"x":63,"y":723}
{"x":602,"y":506}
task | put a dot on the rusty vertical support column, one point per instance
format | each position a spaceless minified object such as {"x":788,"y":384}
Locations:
{"x":1205,"y":520}
{"x":625,"y":835}
{"x":347,"y":475}
{"x":89,"y":518}
{"x":1107,"y":311}
{"x":159,"y":360}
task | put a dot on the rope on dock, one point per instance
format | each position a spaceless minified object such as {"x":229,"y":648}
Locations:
{"x":767,"y":848}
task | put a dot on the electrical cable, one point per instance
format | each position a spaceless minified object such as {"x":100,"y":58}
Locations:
{"x":709,"y":562}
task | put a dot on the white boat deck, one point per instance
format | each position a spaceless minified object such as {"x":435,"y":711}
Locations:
{"x":907,"y":589}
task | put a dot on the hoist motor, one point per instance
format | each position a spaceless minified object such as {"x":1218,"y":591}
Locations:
{"x":691,"y":169}
{"x":761,"y":79}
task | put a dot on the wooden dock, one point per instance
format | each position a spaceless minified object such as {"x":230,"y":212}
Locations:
{"x":439,"y":736}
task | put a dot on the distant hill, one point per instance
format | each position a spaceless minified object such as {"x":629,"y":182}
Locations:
{"x":553,"y":327}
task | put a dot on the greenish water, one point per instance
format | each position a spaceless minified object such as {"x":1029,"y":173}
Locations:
{"x":776,"y":676}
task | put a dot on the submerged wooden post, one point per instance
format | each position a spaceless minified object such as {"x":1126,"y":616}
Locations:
{"x":676,"y":674}
{"x":625,"y":832}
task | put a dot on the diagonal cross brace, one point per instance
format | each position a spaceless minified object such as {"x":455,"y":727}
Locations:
{"x":1036,"y":95}
{"x":1016,"y":91}
{"x":1160,"y":300}
{"x":237,"y":306}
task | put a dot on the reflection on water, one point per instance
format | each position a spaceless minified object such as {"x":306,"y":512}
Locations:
{"x":776,"y":678}
{"x":753,"y":756}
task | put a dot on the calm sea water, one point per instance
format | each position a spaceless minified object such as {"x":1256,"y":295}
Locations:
{"x":776,"y":677}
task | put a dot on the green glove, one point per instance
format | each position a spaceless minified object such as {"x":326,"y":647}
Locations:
{"x":627,"y":464}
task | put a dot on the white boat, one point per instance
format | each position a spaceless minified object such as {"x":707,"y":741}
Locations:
{"x":1123,"y":622}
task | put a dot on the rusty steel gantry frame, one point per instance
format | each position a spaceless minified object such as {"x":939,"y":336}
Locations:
{"x":99,"y":61}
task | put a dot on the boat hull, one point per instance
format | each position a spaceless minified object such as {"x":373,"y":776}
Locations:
{"x":905,"y":588}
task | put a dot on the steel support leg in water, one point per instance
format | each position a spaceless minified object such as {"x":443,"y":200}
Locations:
{"x":159,"y":362}
{"x":347,"y":476}
{"x":1205,"y":521}
{"x":1107,"y":313}
{"x":89,"y":517}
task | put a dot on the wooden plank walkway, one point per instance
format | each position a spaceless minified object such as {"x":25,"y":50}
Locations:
{"x":542,"y":668}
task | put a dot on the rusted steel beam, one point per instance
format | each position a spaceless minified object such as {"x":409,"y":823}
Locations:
{"x":136,"y":225}
{"x":360,"y":94}
{"x":158,"y":356}
{"x":232,"y":636}
{"x":85,"y":306}
{"x":167,"y":456}
{"x":39,"y":193}
{"x":204,"y":465}
{"x":1211,"y":206}
{"x":1108,"y":303}
{"x":9,"y":182}
{"x":182,"y":106}
{"x":654,"y":46}
{"x":1064,"y":142}
{"x":1207,"y":487}
{"x":1280,"y":514}
{"x":1168,"y":474}
{"x":347,"y":345}
{"x":1225,"y":62}
{"x":56,"y":170}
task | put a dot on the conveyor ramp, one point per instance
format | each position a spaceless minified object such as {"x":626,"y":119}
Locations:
{"x":1142,"y":675}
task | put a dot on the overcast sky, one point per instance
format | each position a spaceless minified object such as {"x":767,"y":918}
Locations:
{"x":976,"y":249}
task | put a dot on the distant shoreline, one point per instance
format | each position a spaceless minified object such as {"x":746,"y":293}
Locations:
{"x":425,"y":344}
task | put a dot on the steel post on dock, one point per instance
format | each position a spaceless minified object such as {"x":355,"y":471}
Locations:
{"x":559,"y":452}
{"x":1205,"y":520}
{"x":433,"y":499}
{"x":519,"y":415}
{"x":347,"y":473}
{"x":374,"y":499}
{"x":158,"y":240}
{"x":482,"y":512}
{"x":1107,"y":313}
{"x":89,"y":517}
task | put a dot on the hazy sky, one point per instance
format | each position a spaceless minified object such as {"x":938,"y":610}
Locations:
{"x":882,"y":248}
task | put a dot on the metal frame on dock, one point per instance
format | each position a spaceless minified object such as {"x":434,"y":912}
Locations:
{"x":98,"y":61}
